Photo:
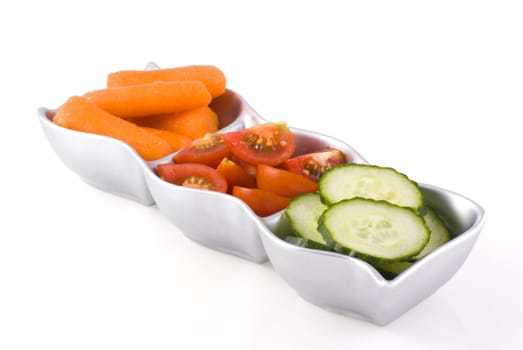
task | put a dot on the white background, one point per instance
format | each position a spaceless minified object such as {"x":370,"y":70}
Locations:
{"x":433,"y":89}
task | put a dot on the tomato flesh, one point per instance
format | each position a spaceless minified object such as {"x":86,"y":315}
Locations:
{"x":193,"y":175}
{"x":282,"y":182}
{"x":208,"y":150}
{"x":270,"y":143}
{"x":248,"y":167}
{"x":235,"y":174}
{"x":263,"y":203}
{"x":313,"y":165}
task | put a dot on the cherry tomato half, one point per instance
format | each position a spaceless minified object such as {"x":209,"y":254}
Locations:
{"x":263,"y":203}
{"x":235,"y":174}
{"x":270,"y":143}
{"x":208,"y":150}
{"x":283,"y":182}
{"x":193,"y":175}
{"x":313,"y":165}
{"x":248,"y":167}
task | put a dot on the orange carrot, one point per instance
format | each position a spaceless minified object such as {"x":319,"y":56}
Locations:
{"x":176,"y":141}
{"x":151,"y":98}
{"x":194,"y":123}
{"x":78,"y":114}
{"x":211,"y":76}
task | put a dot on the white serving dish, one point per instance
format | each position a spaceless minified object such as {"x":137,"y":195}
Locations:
{"x":222,"y":222}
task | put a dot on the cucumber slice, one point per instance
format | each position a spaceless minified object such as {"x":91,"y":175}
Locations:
{"x":439,"y":234}
{"x":391,"y":269}
{"x":369,"y":181}
{"x":303,"y":213}
{"x":306,"y":243}
{"x":374,"y":230}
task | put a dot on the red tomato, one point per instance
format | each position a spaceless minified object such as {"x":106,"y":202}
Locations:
{"x":235,"y":174}
{"x":209,"y":150}
{"x":263,"y":203}
{"x":248,"y":167}
{"x":313,"y":165}
{"x":270,"y":143}
{"x":193,"y":175}
{"x":283,"y":182}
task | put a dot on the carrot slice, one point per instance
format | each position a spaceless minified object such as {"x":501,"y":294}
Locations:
{"x":211,"y":76}
{"x":152,"y":98}
{"x":194,"y":123}
{"x":176,"y":141}
{"x":78,"y":114}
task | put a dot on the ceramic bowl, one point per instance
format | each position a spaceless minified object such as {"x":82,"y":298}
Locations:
{"x":350,"y":286}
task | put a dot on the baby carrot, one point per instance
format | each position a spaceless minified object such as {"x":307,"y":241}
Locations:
{"x":211,"y":76}
{"x":194,"y":123}
{"x":151,"y":98}
{"x":78,"y":114}
{"x":176,"y":141}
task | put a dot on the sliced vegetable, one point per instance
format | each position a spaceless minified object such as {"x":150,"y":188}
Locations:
{"x":283,"y":182}
{"x":391,"y":269}
{"x":313,"y":165}
{"x":208,"y":150}
{"x":270,"y":143}
{"x":248,"y":167}
{"x":303,"y":213}
{"x":439,"y":234}
{"x":369,"y":181}
{"x":374,"y":230}
{"x":306,"y":243}
{"x":263,"y":203}
{"x":191,"y":175}
{"x":235,"y":174}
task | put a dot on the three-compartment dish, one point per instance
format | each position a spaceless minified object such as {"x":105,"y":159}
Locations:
{"x":330,"y":279}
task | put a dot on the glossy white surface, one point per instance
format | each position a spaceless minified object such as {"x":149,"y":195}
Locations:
{"x":431,"y":89}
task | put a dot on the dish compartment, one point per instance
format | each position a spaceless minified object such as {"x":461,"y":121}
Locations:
{"x":351,"y":286}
